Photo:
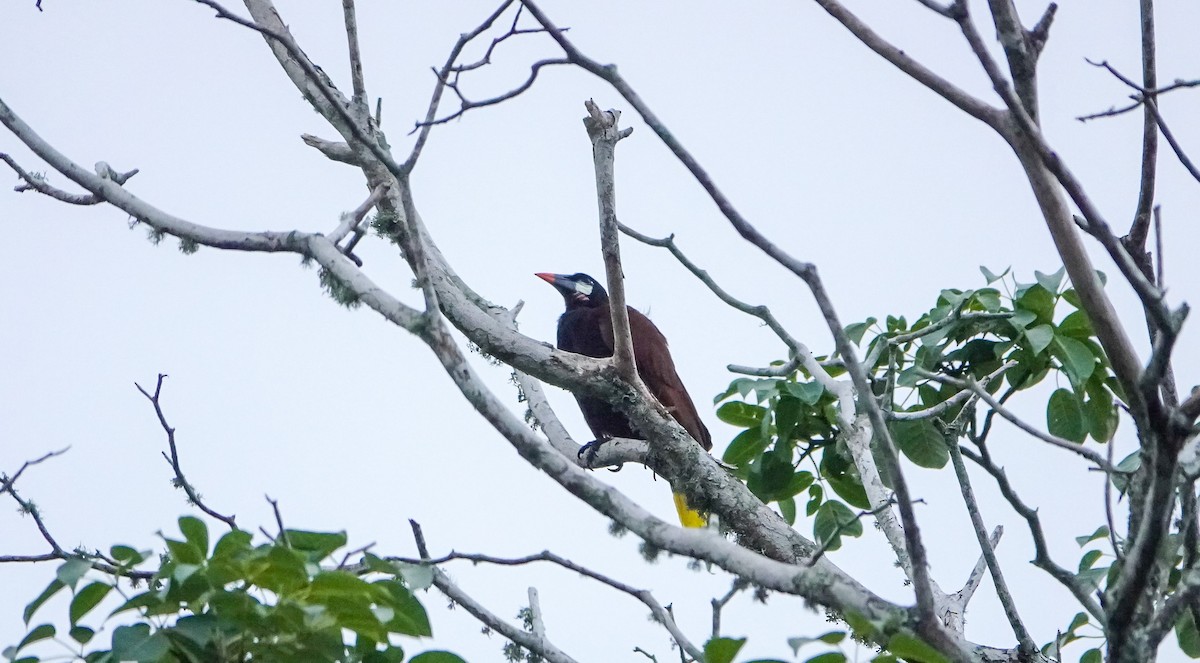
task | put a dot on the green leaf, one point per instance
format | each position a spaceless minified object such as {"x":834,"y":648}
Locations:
{"x":321,"y":544}
{"x":1100,"y":533}
{"x":38,"y":634}
{"x":1076,"y":325}
{"x":1038,"y":300}
{"x":1079,"y":620}
{"x":991,"y":276}
{"x":51,"y":589}
{"x":86,"y":599}
{"x":832,"y":637}
{"x":989,"y":299}
{"x":1089,"y":558}
{"x":232,"y":543}
{"x":910,"y":377}
{"x":1092,"y":577}
{"x":1050,"y":281}
{"x":745,"y":447}
{"x":771,"y":475}
{"x":808,"y":392}
{"x":1130,"y":463}
{"x":393,"y":654}
{"x":788,"y":413}
{"x":740,"y":414}
{"x":338,"y":583}
{"x":842,"y":476}
{"x":1022,"y":318}
{"x":1064,"y":416}
{"x":914,"y":650}
{"x":787,"y":509}
{"x":410,"y":617}
{"x":816,"y":495}
{"x":183,"y":552}
{"x":1039,"y":337}
{"x":143,"y":600}
{"x":72,"y":570}
{"x":722,"y":650}
{"x":1187,"y":635}
{"x":416,"y":576}
{"x":1102,"y":415}
{"x":952,"y":296}
{"x":81,"y":634}
{"x":921,"y":442}
{"x":1091,"y":656}
{"x":828,"y":657}
{"x":740,"y":386}
{"x":799,"y":483}
{"x":835,"y":520}
{"x":436,"y":657}
{"x":127,"y":555}
{"x":195,"y":531}
{"x":856,"y":330}
{"x":1077,"y":359}
{"x":200,"y":629}
{"x":284,"y":571}
{"x":1125,"y":470}
{"x":137,"y":643}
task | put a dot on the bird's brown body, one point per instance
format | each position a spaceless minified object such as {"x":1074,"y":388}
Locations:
{"x":586,"y":328}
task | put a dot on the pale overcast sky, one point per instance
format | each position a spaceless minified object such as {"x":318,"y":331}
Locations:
{"x":351,"y":424}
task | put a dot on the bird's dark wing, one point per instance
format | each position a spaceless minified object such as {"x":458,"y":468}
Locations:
{"x":657,"y":370}
{"x":579,"y":331}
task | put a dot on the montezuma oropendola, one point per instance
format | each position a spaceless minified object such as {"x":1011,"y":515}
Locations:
{"x":586,"y":328}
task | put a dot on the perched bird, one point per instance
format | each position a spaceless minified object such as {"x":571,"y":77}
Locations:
{"x":586,"y":328}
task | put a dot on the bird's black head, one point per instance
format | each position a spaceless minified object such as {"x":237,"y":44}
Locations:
{"x":578,"y":290}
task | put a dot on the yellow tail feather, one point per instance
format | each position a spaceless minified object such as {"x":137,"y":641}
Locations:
{"x":688,"y":517}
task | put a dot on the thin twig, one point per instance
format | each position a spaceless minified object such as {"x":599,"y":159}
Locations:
{"x":447,"y":78}
{"x":539,"y":645}
{"x":334,"y":102}
{"x":466,"y":104}
{"x":795,"y":347}
{"x":6,"y":482}
{"x":645,"y":596}
{"x":963,"y":596}
{"x":351,"y":220}
{"x":1108,"y":508}
{"x":356,"y":69}
{"x":604,"y":132}
{"x":173,"y":459}
{"x":1042,"y":558}
{"x":1141,"y":215}
{"x":283,"y":535}
{"x":98,"y":560}
{"x":1059,"y":442}
{"x":40,"y":185}
{"x":1172,"y":141}
{"x":719,"y":604}
{"x":1158,"y":246}
{"x":1024,"y":640}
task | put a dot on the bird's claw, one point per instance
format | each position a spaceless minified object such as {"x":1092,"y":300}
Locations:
{"x":587,"y":453}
